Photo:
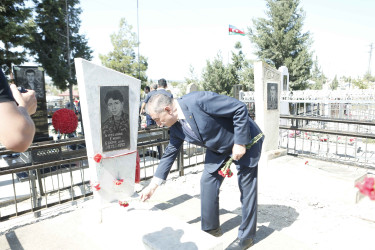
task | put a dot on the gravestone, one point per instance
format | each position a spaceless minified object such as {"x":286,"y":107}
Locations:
{"x":267,"y":82}
{"x":191,"y":88}
{"x":109,"y":107}
{"x":32,"y":77}
{"x":284,"y":106}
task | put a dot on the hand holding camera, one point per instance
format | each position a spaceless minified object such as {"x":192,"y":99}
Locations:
{"x":25,"y":98}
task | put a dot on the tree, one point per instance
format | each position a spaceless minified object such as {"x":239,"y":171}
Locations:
{"x":15,"y":28}
{"x":279,"y":40}
{"x":56,"y":21}
{"x":317,"y":76}
{"x":368,"y":77}
{"x":217,"y":77}
{"x":334,"y":84}
{"x":123,"y":57}
{"x":221,"y":78}
{"x":361,"y":84}
{"x":241,"y":69}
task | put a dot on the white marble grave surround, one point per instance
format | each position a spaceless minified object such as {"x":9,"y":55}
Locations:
{"x":90,"y":78}
{"x":267,"y":120}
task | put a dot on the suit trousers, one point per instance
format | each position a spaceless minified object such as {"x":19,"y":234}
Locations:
{"x":210,"y":188}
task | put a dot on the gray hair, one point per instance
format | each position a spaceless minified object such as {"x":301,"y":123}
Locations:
{"x":154,"y":86}
{"x":157,"y":103}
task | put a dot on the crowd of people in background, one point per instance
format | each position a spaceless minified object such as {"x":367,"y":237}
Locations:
{"x":159,"y":88}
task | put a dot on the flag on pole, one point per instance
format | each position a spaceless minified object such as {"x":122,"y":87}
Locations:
{"x":234,"y":31}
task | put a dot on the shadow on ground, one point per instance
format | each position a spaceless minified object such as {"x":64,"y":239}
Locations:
{"x":276,"y":216}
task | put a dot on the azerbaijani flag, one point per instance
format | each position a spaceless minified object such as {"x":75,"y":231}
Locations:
{"x":234,"y":31}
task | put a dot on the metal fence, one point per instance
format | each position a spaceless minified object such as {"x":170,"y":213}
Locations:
{"x":329,"y":125}
{"x":53,"y":173}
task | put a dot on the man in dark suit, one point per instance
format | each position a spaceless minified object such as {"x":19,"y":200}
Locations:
{"x":222,"y":125}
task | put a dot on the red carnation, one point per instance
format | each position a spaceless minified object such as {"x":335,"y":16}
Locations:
{"x":98,"y":158}
{"x":118,"y":182}
{"x":367,"y":187}
{"x":65,"y":121}
{"x":97,"y":187}
{"x":123,"y":203}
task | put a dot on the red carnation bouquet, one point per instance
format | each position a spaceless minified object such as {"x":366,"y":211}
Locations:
{"x":225,"y":171}
{"x":65,"y":121}
{"x":367,"y":187}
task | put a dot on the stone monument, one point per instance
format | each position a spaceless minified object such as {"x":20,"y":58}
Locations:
{"x":109,"y":107}
{"x":284,"y":106}
{"x":191,"y":88}
{"x":267,"y":82}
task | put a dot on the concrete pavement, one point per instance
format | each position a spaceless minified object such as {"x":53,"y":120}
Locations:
{"x":303,"y":204}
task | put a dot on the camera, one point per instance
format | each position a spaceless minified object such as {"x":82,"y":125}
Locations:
{"x":22,"y":89}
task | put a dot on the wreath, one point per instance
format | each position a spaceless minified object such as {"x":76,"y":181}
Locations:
{"x":65,"y":121}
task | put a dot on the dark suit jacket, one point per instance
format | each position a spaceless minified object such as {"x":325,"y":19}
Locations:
{"x":219,"y":121}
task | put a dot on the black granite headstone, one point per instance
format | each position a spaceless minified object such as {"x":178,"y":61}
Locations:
{"x":32,"y":77}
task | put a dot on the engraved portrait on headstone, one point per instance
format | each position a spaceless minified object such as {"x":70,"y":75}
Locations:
{"x":114,"y":112}
{"x":272,"y":94}
{"x":30,"y":77}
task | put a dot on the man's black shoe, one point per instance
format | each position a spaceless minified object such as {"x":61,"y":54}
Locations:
{"x":240,"y":244}
{"x":215,"y":232}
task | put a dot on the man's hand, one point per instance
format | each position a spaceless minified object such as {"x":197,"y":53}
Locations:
{"x":238,"y":151}
{"x":26,"y":100}
{"x":148,"y":191}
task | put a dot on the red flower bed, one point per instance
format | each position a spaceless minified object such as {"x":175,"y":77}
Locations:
{"x":65,"y":121}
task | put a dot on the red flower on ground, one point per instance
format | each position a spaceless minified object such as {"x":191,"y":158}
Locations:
{"x":65,"y":121}
{"x":123,"y":203}
{"x":367,"y":187}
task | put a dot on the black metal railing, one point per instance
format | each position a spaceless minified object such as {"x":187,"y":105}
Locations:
{"x":59,"y":172}
{"x":339,"y":140}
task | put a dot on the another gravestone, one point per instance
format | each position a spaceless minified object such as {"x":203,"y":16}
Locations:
{"x":32,"y":77}
{"x":284,"y":106}
{"x":191,"y":88}
{"x":109,"y":106}
{"x":267,"y":102}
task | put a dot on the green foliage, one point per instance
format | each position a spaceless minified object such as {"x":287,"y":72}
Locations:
{"x":279,"y":40}
{"x":221,"y":78}
{"x":243,"y":71}
{"x":317,"y":76}
{"x":123,"y":58}
{"x":15,"y":28}
{"x":217,"y":77}
{"x":50,"y":45}
{"x":361,"y":84}
{"x":334,"y":84}
{"x":368,"y":77}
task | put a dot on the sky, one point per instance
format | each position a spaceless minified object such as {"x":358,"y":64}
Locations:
{"x":178,"y":34}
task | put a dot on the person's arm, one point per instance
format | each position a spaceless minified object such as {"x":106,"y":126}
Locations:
{"x":142,"y":108}
{"x":17,"y":129}
{"x":165,"y":165}
{"x":228,"y":107}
